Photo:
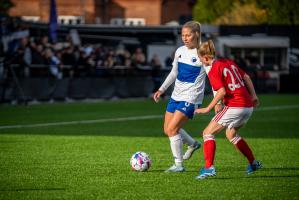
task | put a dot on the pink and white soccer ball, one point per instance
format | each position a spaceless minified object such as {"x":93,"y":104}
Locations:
{"x":140,"y":161}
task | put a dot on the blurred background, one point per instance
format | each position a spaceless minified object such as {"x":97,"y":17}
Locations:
{"x":58,"y":50}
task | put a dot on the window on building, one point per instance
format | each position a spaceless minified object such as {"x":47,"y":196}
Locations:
{"x":272,"y":57}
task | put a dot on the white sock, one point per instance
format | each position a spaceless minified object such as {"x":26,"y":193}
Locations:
{"x":176,"y":146}
{"x":187,"y":139}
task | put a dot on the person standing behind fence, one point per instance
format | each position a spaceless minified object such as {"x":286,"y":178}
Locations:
{"x":156,"y":72}
{"x":189,"y":77}
{"x":235,"y":88}
{"x":138,"y":58}
{"x":54,"y":63}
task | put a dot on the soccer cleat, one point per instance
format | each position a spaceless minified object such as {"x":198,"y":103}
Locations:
{"x":175,"y":168}
{"x":254,"y":166}
{"x":206,"y":172}
{"x":191,"y":150}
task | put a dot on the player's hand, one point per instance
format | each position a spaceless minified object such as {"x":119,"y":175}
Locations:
{"x":255,"y":101}
{"x":157,"y":96}
{"x":201,"y":111}
{"x":218,"y":108}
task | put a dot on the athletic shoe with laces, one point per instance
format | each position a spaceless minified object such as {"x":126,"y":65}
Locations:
{"x":191,"y":150}
{"x":206,"y":172}
{"x":175,"y":168}
{"x":254,"y":166}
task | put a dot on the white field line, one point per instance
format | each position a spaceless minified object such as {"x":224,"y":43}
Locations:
{"x":122,"y":119}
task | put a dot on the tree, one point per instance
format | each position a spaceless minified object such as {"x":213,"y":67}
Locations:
{"x":247,"y":11}
{"x":243,"y":14}
{"x":280,"y":11}
{"x":5,"y":5}
{"x":206,"y":11}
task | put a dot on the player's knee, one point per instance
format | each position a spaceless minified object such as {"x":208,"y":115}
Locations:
{"x":230,"y":135}
{"x":170,"y":131}
{"x":165,"y":130}
{"x":206,"y":132}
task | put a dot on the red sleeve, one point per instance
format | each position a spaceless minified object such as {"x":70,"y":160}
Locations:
{"x":215,"y":76}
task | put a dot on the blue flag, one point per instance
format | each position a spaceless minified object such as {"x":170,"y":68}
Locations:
{"x":53,"y":21}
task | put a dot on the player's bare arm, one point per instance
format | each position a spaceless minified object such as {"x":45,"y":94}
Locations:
{"x":218,"y":107}
{"x":157,"y":96}
{"x":251,"y":90}
{"x":219,"y":96}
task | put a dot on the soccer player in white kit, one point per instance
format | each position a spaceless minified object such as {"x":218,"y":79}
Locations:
{"x":235,"y":88}
{"x":189,"y":77}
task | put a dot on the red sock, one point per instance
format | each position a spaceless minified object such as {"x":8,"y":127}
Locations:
{"x":245,"y":150}
{"x":209,"y":147}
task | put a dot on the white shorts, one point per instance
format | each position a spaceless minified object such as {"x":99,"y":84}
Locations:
{"x":232,"y":117}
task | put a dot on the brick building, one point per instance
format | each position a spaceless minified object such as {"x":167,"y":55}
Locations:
{"x":128,"y":12}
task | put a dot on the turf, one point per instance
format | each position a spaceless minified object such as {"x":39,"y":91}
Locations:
{"x":90,"y":160}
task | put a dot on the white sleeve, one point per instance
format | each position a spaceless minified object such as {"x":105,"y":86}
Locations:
{"x":171,"y":76}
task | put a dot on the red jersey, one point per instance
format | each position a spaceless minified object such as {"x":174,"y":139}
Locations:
{"x":225,"y":73}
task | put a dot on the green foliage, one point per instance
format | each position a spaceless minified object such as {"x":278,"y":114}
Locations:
{"x":247,"y":11}
{"x":5,"y":5}
{"x":206,"y":11}
{"x":243,"y":14}
{"x":281,"y":11}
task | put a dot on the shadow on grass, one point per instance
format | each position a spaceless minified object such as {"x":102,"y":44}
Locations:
{"x":284,"y":168}
{"x":256,"y":177}
{"x":31,"y":189}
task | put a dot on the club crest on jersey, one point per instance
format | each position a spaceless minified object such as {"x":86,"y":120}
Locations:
{"x":193,"y":59}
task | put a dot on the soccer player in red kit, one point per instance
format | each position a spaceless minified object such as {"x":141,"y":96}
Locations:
{"x":235,"y":90}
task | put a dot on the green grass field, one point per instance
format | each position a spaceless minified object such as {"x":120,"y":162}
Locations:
{"x":82,"y":151}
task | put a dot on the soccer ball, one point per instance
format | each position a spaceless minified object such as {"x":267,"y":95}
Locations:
{"x":140,"y":161}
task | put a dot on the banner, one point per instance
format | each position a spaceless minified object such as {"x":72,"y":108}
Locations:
{"x":53,"y":22}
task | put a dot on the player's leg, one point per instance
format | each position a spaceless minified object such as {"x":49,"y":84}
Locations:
{"x":192,"y":144}
{"x":174,"y":124}
{"x":209,"y":148}
{"x":239,"y":143}
{"x":243,"y":147}
{"x":167,"y":118}
{"x":209,"y":145}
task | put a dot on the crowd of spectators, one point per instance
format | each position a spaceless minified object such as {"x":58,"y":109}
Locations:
{"x":38,"y":56}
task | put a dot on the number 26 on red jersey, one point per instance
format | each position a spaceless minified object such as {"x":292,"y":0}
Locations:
{"x":236,"y":80}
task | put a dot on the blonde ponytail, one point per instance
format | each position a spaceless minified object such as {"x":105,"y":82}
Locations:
{"x":195,"y":27}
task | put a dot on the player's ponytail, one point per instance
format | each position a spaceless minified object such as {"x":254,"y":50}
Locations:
{"x":207,"y":49}
{"x":195,"y":27}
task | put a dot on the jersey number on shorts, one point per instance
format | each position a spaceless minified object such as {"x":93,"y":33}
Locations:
{"x":236,"y":80}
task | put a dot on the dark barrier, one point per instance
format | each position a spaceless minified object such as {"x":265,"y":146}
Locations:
{"x":44,"y":88}
{"x":289,"y":83}
{"x":101,"y":88}
{"x":59,"y":90}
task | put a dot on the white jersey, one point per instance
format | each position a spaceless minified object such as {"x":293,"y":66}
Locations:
{"x":189,"y":76}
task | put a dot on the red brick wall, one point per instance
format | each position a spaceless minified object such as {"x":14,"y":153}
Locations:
{"x":25,"y":8}
{"x":150,"y":10}
{"x":153,"y":11}
{"x":173,"y":9}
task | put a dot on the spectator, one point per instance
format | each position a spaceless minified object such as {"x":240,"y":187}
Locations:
{"x":82,"y":65}
{"x":138,"y":58}
{"x":22,"y":57}
{"x":168,"y":60}
{"x":68,"y":58}
{"x":45,"y":42}
{"x":110,"y":60}
{"x":38,"y":55}
{"x":54,"y":63}
{"x":156,"y":72}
